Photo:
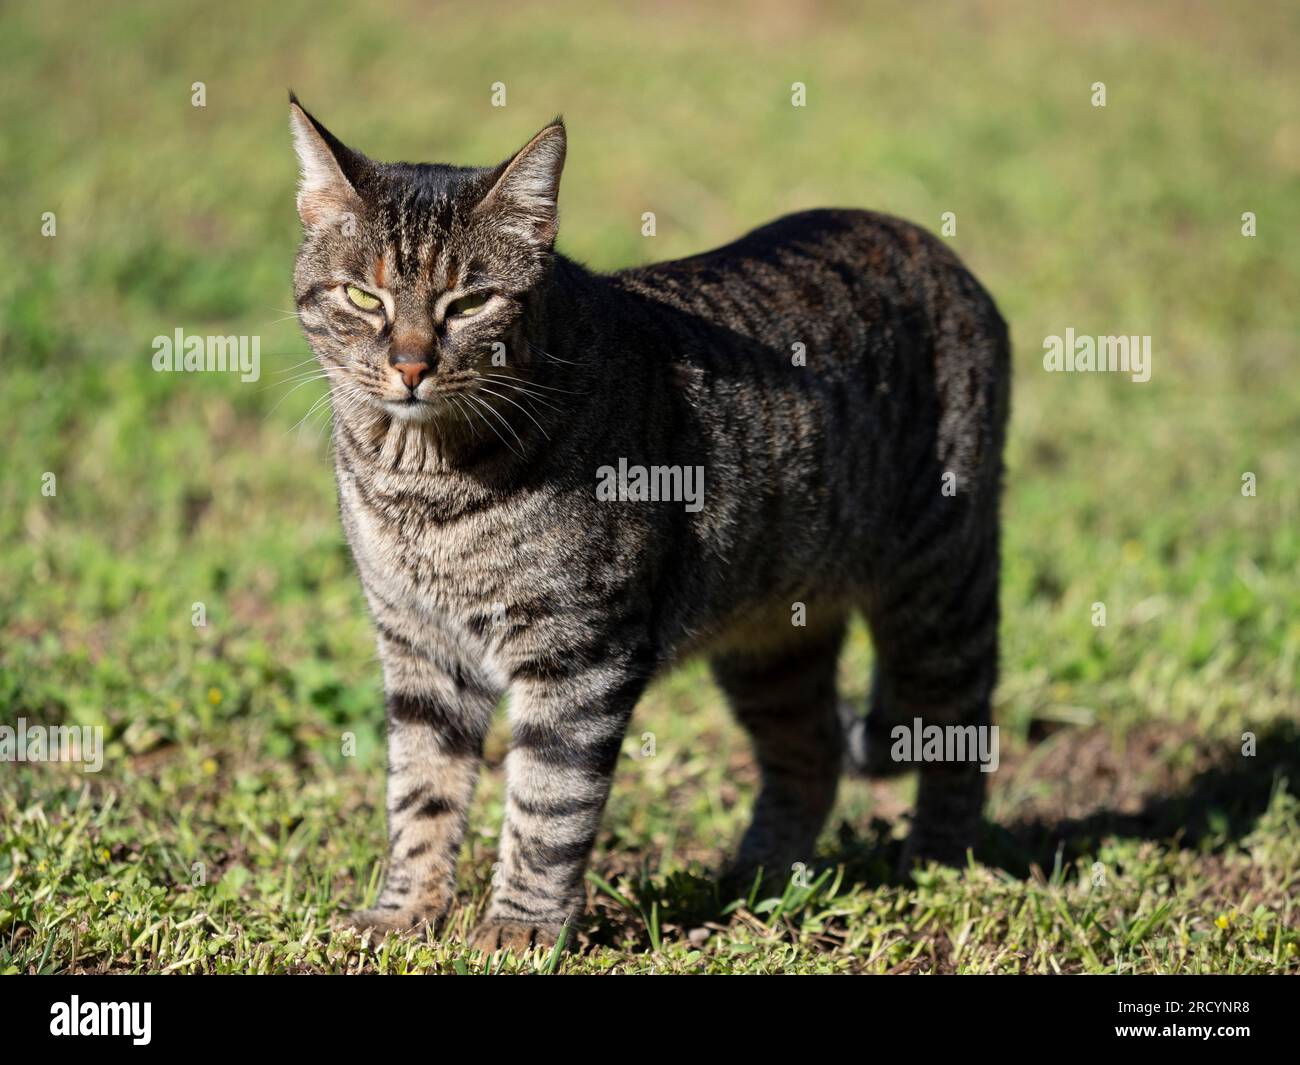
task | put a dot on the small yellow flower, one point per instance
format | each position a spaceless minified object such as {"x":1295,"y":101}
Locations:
{"x":209,"y":767}
{"x":103,"y":854}
{"x":214,"y":696}
{"x":1223,"y":920}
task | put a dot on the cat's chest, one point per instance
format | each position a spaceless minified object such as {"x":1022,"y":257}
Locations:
{"x":432,"y":553}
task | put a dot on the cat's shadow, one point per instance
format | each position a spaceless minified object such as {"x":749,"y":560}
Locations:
{"x":1220,"y":805}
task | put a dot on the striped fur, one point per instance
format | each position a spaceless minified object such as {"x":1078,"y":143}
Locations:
{"x":492,"y":569}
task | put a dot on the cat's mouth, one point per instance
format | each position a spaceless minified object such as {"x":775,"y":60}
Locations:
{"x":430,"y":401}
{"x":412,"y":408}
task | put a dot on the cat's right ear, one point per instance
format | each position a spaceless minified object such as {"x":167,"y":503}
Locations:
{"x":524,"y":189}
{"x":326,"y":194}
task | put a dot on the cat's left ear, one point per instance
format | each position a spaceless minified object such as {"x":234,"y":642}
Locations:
{"x":326,"y":193}
{"x":525,"y":189}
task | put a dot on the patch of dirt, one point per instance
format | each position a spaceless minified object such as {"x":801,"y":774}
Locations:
{"x":1174,"y":785}
{"x":1079,"y":772}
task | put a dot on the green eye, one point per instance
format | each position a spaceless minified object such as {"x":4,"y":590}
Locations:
{"x":468,"y":305}
{"x":361,"y":298}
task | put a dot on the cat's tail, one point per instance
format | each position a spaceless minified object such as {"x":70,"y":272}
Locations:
{"x":854,"y":726}
{"x":866,"y":749}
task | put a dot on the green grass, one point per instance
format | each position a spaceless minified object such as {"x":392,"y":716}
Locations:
{"x":1126,"y":832}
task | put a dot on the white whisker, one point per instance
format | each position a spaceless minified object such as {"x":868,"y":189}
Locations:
{"x":489,"y":408}
{"x":489,"y":391}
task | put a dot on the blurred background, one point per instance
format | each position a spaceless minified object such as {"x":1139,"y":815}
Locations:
{"x":1121,"y":744}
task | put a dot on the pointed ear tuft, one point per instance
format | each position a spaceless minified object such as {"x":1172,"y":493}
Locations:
{"x":325,"y":192}
{"x":526,"y":188}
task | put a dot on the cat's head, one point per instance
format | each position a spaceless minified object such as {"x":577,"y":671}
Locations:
{"x":411,"y":277}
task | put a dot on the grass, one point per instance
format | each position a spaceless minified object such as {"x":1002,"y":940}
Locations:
{"x":1127,"y":832}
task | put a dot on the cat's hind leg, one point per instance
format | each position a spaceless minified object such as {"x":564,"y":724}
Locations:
{"x":785,"y":698}
{"x":934,"y":625}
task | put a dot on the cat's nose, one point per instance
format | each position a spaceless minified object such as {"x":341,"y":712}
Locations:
{"x":412,"y":372}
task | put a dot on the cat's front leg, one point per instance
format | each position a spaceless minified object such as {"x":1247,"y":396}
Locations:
{"x":438,"y":715}
{"x":568,"y":721}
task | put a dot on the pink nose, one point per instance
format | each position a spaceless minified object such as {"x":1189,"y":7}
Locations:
{"x":412,"y":372}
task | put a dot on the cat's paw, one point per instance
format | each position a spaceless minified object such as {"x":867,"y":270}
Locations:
{"x":947,"y":822}
{"x":739,"y":879}
{"x":381,"y":922}
{"x":494,"y":934}
{"x":950,"y":848}
{"x":917,"y":856}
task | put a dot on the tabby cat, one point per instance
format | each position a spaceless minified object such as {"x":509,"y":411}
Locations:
{"x":498,"y":413}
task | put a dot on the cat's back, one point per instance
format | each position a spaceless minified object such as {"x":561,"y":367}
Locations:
{"x":829,"y":277}
{"x":793,"y":257}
